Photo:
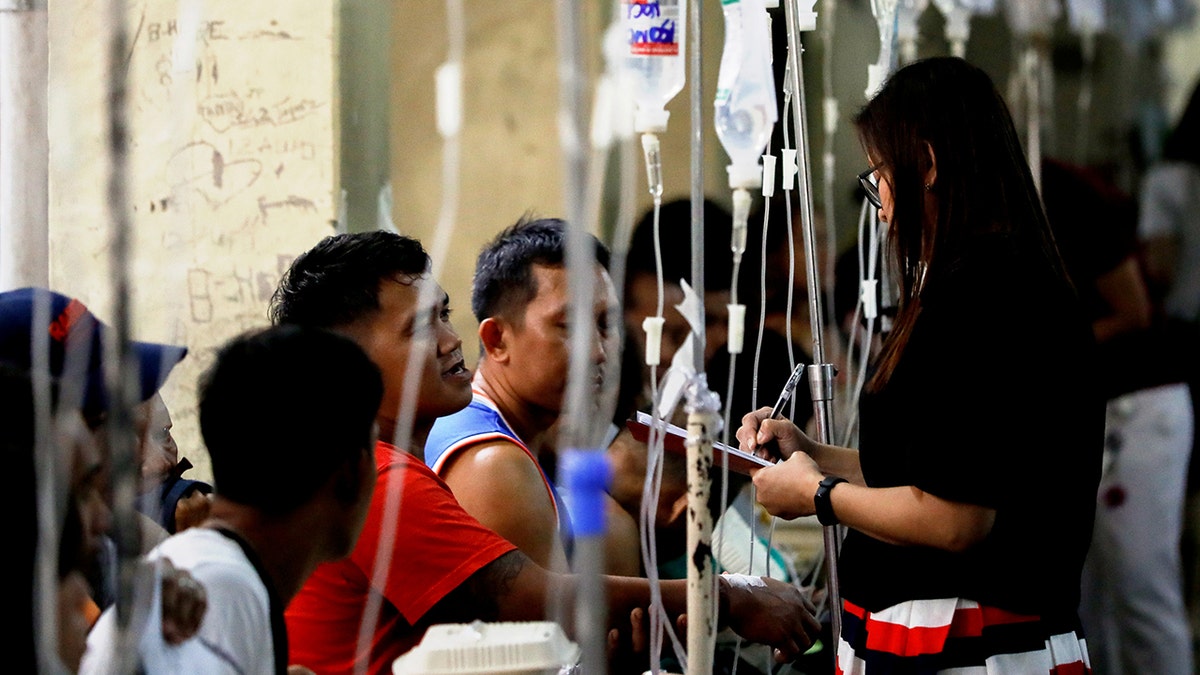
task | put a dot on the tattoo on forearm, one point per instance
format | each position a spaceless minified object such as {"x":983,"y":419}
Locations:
{"x":479,"y":596}
{"x":494,"y":582}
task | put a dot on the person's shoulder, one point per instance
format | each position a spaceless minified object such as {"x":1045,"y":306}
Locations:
{"x":389,"y":458}
{"x":208,"y":555}
{"x":193,"y":545}
{"x":998,"y":275}
{"x":979,"y":265}
{"x":498,"y":459}
{"x":480,"y":422}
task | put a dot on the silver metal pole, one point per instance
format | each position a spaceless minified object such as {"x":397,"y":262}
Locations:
{"x":124,"y":467}
{"x":821,"y":375}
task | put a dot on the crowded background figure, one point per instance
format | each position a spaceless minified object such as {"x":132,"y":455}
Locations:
{"x":1169,"y":230}
{"x":174,"y":502}
{"x":73,"y":544}
{"x":1132,"y":604}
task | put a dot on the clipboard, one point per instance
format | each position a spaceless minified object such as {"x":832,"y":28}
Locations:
{"x":674,"y":441}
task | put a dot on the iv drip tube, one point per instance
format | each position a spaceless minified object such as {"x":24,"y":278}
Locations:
{"x":745,"y":112}
{"x":830,"y":110}
{"x":1030,"y":65}
{"x":612,"y":120}
{"x":49,"y":458}
{"x":449,"y":122}
{"x":866,"y":306}
{"x":574,"y":436}
{"x":1083,"y":105}
{"x":649,"y":122}
{"x":1087,"y":18}
{"x":123,"y":464}
{"x":697,"y":173}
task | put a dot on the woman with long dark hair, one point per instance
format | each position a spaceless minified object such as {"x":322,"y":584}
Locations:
{"x":969,"y":501}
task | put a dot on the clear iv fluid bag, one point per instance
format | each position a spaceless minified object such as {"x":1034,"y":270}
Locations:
{"x":745,"y":102}
{"x":654,"y":59}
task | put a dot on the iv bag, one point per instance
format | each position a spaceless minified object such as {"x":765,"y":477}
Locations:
{"x":886,"y":14}
{"x":1086,"y":16}
{"x":908,"y":13}
{"x":1031,"y":17}
{"x":745,"y":102}
{"x":654,"y":65}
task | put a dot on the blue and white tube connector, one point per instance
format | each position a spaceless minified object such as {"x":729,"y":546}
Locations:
{"x":586,"y":474}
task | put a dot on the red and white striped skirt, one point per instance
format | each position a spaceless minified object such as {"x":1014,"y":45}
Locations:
{"x":953,"y":636}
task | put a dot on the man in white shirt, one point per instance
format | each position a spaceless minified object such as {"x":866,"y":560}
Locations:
{"x":288,"y":416}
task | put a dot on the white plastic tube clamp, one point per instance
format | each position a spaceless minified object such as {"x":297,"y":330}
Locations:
{"x":790,"y":168}
{"x":449,"y":98}
{"x":653,"y":325}
{"x":768,"y":179}
{"x":867,"y":291}
{"x":737,"y":328}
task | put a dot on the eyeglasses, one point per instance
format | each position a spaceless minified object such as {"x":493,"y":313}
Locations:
{"x":870,"y":185}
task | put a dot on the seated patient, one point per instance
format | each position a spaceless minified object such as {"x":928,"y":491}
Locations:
{"x":71,"y":594}
{"x":174,"y":502}
{"x":61,"y":404}
{"x":499,"y":453}
{"x":287,"y":414}
{"x":422,"y":560}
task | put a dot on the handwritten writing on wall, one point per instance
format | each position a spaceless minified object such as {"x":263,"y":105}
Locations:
{"x":231,"y":166}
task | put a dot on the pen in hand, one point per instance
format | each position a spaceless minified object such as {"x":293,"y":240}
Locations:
{"x":786,"y":395}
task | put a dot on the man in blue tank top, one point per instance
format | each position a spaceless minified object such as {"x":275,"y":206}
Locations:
{"x":498,"y":454}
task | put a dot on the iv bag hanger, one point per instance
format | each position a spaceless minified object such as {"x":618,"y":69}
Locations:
{"x":801,"y":17}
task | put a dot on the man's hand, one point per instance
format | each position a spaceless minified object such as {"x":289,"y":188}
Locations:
{"x":184,"y":602}
{"x":771,"y":612}
{"x":192,"y":510}
{"x":627,"y":644}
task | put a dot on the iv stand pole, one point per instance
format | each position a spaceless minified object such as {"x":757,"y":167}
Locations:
{"x":821,"y":374}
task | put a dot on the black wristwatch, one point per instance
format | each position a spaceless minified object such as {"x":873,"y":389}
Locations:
{"x":825,"y":514}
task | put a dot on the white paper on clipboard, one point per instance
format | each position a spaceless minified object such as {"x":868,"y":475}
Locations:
{"x":675,"y":441}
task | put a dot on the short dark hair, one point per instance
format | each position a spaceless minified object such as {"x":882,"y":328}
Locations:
{"x":675,"y":234}
{"x":336,"y":282}
{"x":281,"y":408}
{"x":503,"y":281}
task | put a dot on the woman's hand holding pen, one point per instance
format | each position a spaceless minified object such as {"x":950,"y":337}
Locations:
{"x":785,"y":490}
{"x":771,"y":438}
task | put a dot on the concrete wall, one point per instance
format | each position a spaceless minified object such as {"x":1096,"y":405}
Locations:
{"x":232,"y":116}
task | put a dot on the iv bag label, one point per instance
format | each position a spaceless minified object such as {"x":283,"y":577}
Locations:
{"x":652,"y":27}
